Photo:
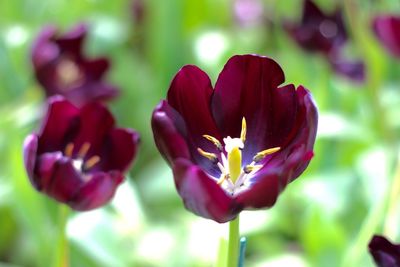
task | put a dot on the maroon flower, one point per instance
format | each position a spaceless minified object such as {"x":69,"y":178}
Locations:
{"x":236,"y":146}
{"x":384,"y":252}
{"x":78,"y":157}
{"x":61,"y":67}
{"x":387,"y":29}
{"x":318,"y":32}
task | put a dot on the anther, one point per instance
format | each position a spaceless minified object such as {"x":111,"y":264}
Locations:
{"x":261,"y":155}
{"x":214,"y":141}
{"x":91,"y":162}
{"x":210,"y":156}
{"x":244,"y":130}
{"x":84,"y":150}
{"x":250,"y":168}
{"x":69,"y":149}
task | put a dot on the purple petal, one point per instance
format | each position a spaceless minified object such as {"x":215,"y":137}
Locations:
{"x":45,"y":169}
{"x":168,"y":139}
{"x":387,"y":29}
{"x":59,"y":120}
{"x":384,"y":252}
{"x":97,"y":191}
{"x":190,"y":95}
{"x":29,"y":150}
{"x":95,"y":123}
{"x":96,"y":68}
{"x":311,"y":12}
{"x":201,"y":195}
{"x":354,"y":70}
{"x":43,"y":50}
{"x":287,"y":164}
{"x":247,"y":87}
{"x":72,"y":41}
{"x":91,"y":91}
{"x":63,"y":180}
{"x":119,"y":149}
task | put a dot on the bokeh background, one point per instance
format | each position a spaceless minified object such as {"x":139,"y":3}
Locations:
{"x":323,"y":219}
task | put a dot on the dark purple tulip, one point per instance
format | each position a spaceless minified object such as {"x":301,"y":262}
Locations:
{"x":387,"y":29}
{"x":61,"y":67}
{"x":238,"y":145}
{"x":78,"y":156}
{"x":318,"y":32}
{"x":384,"y":252}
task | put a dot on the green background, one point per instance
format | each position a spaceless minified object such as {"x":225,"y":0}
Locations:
{"x":323,"y":219}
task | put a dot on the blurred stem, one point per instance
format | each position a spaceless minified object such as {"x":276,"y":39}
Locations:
{"x":390,"y":223}
{"x":374,"y":67}
{"x":61,"y":254}
{"x":233,"y":243}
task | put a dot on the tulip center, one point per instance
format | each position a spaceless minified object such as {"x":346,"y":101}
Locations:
{"x":79,"y":161}
{"x":69,"y":74}
{"x":234,"y":175}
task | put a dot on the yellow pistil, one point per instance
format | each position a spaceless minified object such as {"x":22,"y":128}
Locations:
{"x":69,"y":149}
{"x":261,"y":155}
{"x":235,"y":163}
{"x":84,"y":150}
{"x":91,"y":162}
{"x":244,"y":131}
{"x":213,"y":140}
{"x":208,"y":155}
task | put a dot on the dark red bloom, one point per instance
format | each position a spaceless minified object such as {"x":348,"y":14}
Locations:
{"x":318,"y":32}
{"x":326,"y":33}
{"x":384,"y":252}
{"x":238,"y":145}
{"x":78,"y":156}
{"x":61,"y":67}
{"x":387,"y":29}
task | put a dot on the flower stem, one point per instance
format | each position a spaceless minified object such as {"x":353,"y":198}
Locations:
{"x":61,"y":258}
{"x":233,"y":243}
{"x":390,"y":221}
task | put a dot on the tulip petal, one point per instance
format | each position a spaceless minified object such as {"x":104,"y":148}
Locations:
{"x":97,"y":191}
{"x":167,"y":136}
{"x":96,"y":68}
{"x":63,"y":179}
{"x":387,"y":29}
{"x":29,"y":150}
{"x":202,"y":195}
{"x":247,"y":87}
{"x":95,"y":123}
{"x":119,"y":149}
{"x":59,"y":122}
{"x":190,"y":95}
{"x":384,"y":252}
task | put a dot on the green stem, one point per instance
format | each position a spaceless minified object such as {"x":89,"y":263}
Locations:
{"x":390,"y":222}
{"x":61,"y":258}
{"x":233,"y":243}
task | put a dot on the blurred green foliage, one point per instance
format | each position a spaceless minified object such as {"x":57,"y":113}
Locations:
{"x":325,"y":218}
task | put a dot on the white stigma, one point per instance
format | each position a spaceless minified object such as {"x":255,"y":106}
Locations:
{"x":231,"y":143}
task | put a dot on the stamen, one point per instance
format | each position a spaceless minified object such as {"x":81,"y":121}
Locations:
{"x":244,"y":130}
{"x":261,"y":155}
{"x":222,"y":179}
{"x":214,"y":141}
{"x":208,"y":155}
{"x":69,"y":149}
{"x":91,"y":162}
{"x":84,"y":150}
{"x":250,"y":168}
